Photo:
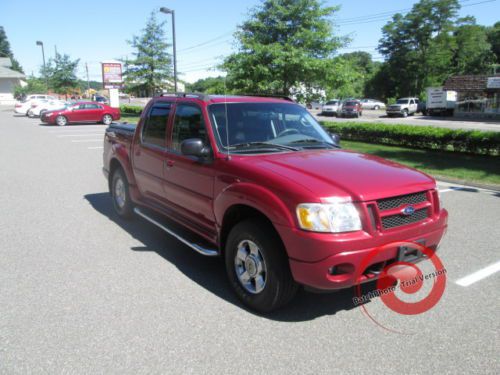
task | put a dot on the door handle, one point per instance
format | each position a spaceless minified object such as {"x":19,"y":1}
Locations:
{"x":169,"y":163}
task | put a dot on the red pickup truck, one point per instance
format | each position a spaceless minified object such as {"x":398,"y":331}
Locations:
{"x":257,"y":181}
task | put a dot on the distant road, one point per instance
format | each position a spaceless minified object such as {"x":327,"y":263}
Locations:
{"x":440,"y":122}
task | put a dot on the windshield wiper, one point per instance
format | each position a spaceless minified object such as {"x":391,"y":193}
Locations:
{"x":314,"y":140}
{"x":262,"y":144}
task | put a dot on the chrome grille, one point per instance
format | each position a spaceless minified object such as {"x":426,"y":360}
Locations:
{"x":396,"y":202}
{"x":394,"y":221}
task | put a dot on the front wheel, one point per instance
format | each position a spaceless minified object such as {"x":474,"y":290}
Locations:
{"x":257,"y":266}
{"x":31,"y":114}
{"x":405,"y":113}
{"x":120,"y":194}
{"x":107,"y":119}
{"x":376,"y":108}
{"x":61,"y":121}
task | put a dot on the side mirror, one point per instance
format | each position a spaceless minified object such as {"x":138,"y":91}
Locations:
{"x":335,"y":138}
{"x":194,"y":147}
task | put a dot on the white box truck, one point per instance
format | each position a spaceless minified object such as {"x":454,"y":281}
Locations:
{"x":440,"y":101}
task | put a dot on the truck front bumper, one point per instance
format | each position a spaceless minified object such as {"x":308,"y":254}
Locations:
{"x":356,"y":257}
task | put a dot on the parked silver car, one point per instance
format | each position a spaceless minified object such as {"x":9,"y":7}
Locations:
{"x":331,"y":108}
{"x":372,"y":104}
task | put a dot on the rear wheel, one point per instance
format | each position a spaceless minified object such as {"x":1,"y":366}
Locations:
{"x":120,"y":193}
{"x":61,"y":120}
{"x":107,"y":119}
{"x":257,"y":266}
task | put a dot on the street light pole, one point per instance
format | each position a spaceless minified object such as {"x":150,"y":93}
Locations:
{"x":172,"y":12}
{"x":40,"y":43}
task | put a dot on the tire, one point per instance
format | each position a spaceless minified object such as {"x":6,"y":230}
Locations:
{"x":31,"y":114}
{"x":42,"y":112}
{"x":120,"y":193}
{"x":107,"y":119}
{"x":61,"y":120}
{"x":405,"y":113}
{"x":254,"y":252}
{"x":376,"y":108}
{"x":357,"y":115}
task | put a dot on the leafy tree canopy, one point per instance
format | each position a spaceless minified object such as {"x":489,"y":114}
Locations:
{"x":284,"y":44}
{"x":5,"y":51}
{"x":150,"y":69}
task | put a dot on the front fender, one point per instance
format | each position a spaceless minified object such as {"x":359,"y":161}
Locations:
{"x":255,"y":196}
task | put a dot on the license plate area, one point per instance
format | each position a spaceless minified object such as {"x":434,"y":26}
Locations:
{"x":410,"y":254}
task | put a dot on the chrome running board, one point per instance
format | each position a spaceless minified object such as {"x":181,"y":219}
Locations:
{"x":200,"y":249}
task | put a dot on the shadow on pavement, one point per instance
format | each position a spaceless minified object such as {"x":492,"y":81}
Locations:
{"x":210,"y":273}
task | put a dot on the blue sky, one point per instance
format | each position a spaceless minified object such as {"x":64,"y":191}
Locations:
{"x":95,"y":30}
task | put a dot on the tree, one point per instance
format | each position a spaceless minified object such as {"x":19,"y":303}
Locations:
{"x":150,"y":70}
{"x":494,"y":39}
{"x":285,"y":44}
{"x":5,"y":51}
{"x":419,"y":46}
{"x":61,"y":73}
{"x":33,"y":86}
{"x":210,"y":85}
{"x":473,"y":53}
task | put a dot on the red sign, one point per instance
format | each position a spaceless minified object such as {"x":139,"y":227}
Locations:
{"x":112,"y":75}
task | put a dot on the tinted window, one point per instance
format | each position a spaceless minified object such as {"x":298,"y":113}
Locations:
{"x":155,"y":126}
{"x":331,"y":102}
{"x":188,"y":123}
{"x":351,"y":103}
{"x":91,"y":106}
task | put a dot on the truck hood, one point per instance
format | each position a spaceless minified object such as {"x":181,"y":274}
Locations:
{"x":345,"y":174}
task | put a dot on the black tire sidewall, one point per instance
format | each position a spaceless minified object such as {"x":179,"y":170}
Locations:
{"x":127,"y":209}
{"x":279,"y":280}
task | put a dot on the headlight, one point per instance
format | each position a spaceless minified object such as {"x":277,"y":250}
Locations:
{"x":332,"y":218}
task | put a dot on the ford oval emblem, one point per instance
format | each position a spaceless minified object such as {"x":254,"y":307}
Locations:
{"x":408,"y":210}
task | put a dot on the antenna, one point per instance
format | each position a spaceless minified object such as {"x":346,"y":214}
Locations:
{"x":228,"y":157}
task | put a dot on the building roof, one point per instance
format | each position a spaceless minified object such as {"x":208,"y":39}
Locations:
{"x":6,"y":72}
{"x":9,"y":73}
{"x":477,"y":83}
{"x":5,"y":62}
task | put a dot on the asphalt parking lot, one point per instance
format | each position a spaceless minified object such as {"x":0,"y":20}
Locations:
{"x":84,"y":292}
{"x":380,"y":116}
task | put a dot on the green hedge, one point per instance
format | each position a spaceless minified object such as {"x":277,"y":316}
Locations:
{"x":423,"y":137}
{"x":131,"y":109}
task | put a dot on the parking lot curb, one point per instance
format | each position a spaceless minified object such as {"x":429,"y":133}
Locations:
{"x":468,"y":183}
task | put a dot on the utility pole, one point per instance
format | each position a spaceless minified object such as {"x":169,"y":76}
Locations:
{"x":55,"y":50}
{"x":172,"y":12}
{"x":40,"y":43}
{"x":88,"y":82}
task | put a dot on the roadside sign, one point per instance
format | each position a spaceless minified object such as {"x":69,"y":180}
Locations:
{"x":493,"y":83}
{"x":112,"y":75}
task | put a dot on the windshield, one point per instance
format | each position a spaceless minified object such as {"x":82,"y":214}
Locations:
{"x":351,"y":104}
{"x":402,"y":101}
{"x":333,"y":102}
{"x":278,"y":124}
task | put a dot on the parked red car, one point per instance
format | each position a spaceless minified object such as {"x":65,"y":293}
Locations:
{"x":351,"y":108}
{"x":82,"y":112}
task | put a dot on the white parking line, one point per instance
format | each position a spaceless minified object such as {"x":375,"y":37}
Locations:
{"x":96,"y":148}
{"x":78,"y":135}
{"x":86,"y":140}
{"x":478,"y":275}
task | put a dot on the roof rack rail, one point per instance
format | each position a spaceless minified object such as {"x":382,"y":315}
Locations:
{"x":270,"y":96}
{"x":196,"y":95}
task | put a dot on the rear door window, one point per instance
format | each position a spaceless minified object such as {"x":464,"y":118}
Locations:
{"x":155,"y":125}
